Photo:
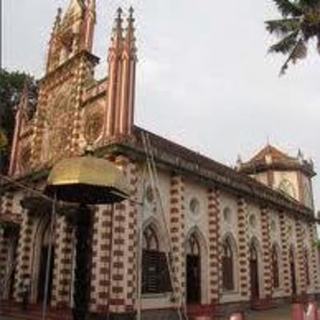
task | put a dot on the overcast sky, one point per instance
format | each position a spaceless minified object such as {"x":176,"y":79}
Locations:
{"x":205,"y":79}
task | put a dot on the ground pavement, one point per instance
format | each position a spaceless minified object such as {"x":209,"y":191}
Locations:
{"x":282,"y":313}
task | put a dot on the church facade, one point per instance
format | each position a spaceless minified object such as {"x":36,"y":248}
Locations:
{"x":222,"y":238}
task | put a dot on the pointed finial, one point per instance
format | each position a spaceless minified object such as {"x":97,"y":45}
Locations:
{"x":238,"y":162}
{"x":119,"y":12}
{"x":311,"y":162}
{"x":130,"y":38}
{"x":268,"y":140}
{"x":118,"y":22}
{"x":57,"y":20}
{"x":75,"y":7}
{"x":91,"y":5}
{"x":118,"y":30}
{"x":300,"y":155}
{"x":131,"y":11}
{"x":130,"y":18}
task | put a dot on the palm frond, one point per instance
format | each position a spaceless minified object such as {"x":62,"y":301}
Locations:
{"x":286,"y":44}
{"x":298,"y":52}
{"x":288,"y":8}
{"x":283,"y":26}
{"x":318,"y":43}
{"x":309,"y":4}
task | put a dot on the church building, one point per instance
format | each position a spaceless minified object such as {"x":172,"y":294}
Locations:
{"x":213,"y":238}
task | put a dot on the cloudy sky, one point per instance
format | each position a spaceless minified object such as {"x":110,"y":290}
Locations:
{"x":205,"y":79}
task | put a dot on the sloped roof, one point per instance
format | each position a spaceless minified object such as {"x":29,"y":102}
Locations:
{"x":272,"y":158}
{"x":183,"y":160}
{"x":272,"y":151}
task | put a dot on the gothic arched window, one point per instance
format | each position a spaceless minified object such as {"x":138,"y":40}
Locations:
{"x":227,"y":265}
{"x":193,"y":246}
{"x":155,"y":272}
{"x":275,"y":267}
{"x":193,"y":270}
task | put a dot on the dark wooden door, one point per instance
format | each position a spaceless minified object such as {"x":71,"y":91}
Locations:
{"x":293,"y":278}
{"x":254,"y":280}
{"x":193,"y":279}
{"x":254,"y":273}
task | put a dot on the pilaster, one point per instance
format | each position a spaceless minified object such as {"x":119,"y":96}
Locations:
{"x":243,"y":238}
{"x":287,"y":286}
{"x":215,"y":268}
{"x":266,"y":252}
{"x":177,"y":233}
{"x":300,"y":263}
{"x":62,"y":275}
{"x":124,"y":246}
{"x":101,"y":260}
{"x":24,"y":254}
{"x":314,"y":258}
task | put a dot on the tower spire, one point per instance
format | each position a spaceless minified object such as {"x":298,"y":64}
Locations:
{"x":75,"y":6}
{"x":122,"y":73}
{"x":117,"y":36}
{"x":130,"y":36}
{"x":57,"y":21}
{"x":114,"y":74}
{"x":89,"y":23}
{"x":51,"y":60}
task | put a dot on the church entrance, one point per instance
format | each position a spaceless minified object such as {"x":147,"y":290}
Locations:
{"x":292,"y":272}
{"x":193,"y":271}
{"x":43,"y":271}
{"x":41,"y":259}
{"x":13,"y":267}
{"x":254,"y":272}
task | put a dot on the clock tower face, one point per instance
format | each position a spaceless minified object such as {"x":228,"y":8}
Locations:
{"x":59,"y":125}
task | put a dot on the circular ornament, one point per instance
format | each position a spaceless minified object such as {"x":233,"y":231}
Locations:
{"x":194,"y":206}
{"x":227,"y":215}
{"x":253,"y":221}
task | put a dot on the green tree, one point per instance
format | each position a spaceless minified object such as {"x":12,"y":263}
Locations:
{"x":300,"y":23}
{"x":11,"y":87}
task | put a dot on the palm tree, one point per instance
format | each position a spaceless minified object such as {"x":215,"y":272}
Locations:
{"x":300,"y":22}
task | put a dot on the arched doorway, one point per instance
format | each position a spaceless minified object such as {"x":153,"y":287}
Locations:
{"x":45,"y":241}
{"x":254,"y":271}
{"x":193,"y":270}
{"x":10,"y":235}
{"x":292,"y":271}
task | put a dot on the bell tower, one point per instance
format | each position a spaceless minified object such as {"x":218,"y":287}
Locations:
{"x":72,"y":33}
{"x":289,"y":175}
{"x":69,"y":71}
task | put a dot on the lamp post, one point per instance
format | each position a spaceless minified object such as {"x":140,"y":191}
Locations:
{"x":87,"y":181}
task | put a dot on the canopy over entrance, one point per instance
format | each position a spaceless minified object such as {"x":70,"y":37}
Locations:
{"x":87,"y":180}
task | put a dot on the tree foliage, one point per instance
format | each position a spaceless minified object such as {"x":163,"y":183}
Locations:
{"x":300,"y":23}
{"x":11,"y":87}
